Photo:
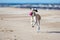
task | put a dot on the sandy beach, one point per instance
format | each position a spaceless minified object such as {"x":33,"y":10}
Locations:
{"x":15,"y":24}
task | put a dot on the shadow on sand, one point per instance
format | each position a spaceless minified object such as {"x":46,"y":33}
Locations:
{"x":50,"y":32}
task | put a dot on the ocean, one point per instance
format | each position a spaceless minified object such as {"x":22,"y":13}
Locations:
{"x":32,"y":5}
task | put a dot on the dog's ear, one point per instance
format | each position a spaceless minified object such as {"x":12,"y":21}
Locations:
{"x":36,"y":10}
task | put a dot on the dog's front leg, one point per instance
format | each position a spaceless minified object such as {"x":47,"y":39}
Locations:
{"x":32,"y":21}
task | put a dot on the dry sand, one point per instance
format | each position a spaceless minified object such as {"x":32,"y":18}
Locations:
{"x":15,"y":24}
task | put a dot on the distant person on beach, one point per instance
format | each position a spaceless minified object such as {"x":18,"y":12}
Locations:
{"x":35,"y":19}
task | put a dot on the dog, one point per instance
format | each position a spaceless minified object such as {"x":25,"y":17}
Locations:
{"x":35,"y":19}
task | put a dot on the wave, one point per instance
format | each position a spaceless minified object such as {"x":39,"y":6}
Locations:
{"x":32,"y":5}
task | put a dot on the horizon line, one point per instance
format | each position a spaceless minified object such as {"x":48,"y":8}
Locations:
{"x":29,"y":3}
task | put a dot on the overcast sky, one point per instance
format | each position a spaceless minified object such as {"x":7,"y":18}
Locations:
{"x":29,"y":1}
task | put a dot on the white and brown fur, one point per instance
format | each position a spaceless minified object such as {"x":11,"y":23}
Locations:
{"x":36,"y":20}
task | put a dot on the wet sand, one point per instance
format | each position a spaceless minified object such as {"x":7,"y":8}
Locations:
{"x":15,"y":24}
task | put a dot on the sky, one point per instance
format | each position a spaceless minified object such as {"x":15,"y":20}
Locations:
{"x":29,"y":1}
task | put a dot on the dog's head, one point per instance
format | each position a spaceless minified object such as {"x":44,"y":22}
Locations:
{"x":35,"y":10}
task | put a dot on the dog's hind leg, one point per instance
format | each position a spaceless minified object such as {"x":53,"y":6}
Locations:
{"x":38,"y":26}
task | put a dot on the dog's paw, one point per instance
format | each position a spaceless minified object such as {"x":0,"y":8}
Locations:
{"x":32,"y":26}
